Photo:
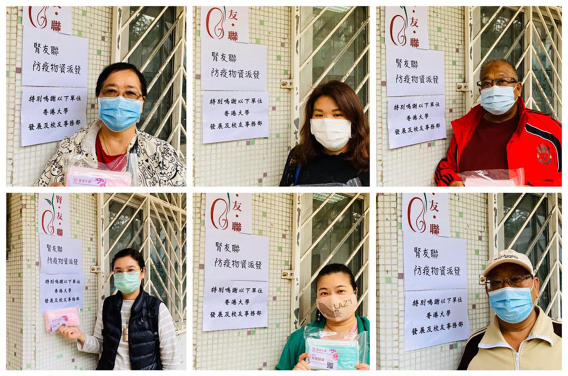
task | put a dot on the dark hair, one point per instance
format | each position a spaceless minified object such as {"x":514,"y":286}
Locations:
{"x":350,"y":106}
{"x":130,"y":252}
{"x":117,"y":67}
{"x":337,"y":268}
{"x":501,"y":61}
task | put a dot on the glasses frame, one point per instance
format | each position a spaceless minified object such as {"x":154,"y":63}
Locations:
{"x":487,"y":282}
{"x":515,"y":81}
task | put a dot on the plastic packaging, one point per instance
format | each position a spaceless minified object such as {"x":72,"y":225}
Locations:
{"x":92,"y":177}
{"x":55,"y":318}
{"x":327,"y":351}
{"x":81,"y":172}
{"x":494,"y":178}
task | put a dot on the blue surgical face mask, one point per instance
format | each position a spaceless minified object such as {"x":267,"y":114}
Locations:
{"x":512,"y":304}
{"x":498,"y":99}
{"x":119,"y":113}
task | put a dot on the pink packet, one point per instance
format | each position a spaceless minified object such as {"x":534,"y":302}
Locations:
{"x":54,"y":318}
{"x":92,"y":177}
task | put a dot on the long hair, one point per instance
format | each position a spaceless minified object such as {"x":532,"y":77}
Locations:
{"x":350,"y":106}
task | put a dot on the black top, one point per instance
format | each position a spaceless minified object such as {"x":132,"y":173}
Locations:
{"x":323,"y":169}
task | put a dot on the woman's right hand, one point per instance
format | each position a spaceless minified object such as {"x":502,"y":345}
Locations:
{"x":57,"y":184}
{"x":70,"y":333}
{"x":457,"y":183}
{"x":302,"y":364}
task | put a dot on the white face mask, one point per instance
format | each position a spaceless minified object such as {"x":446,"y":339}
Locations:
{"x":333,"y":134}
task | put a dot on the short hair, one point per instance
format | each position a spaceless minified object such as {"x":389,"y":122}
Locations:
{"x":117,"y":67}
{"x":503,"y":61}
{"x":130,"y":252}
{"x":337,"y":268}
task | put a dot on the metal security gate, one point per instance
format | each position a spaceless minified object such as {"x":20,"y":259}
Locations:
{"x":154,"y":40}
{"x":154,"y":224}
{"x":529,"y":37}
{"x":328,"y":43}
{"x":327,"y":228}
{"x":531,"y":224}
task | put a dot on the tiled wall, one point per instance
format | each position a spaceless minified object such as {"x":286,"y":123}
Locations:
{"x":468,"y":220}
{"x":25,"y":164}
{"x":28,"y":345}
{"x":249,"y":349}
{"x":260,"y":161}
{"x":414,"y":165}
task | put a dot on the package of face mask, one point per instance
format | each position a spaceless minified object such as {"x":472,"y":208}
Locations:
{"x":55,"y":318}
{"x":92,"y":177}
{"x":81,"y":171}
{"x":494,"y":178}
{"x":329,"y":351}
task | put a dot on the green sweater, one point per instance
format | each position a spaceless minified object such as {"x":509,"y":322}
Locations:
{"x":296,"y":345}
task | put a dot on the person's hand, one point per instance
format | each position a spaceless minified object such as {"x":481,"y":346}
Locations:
{"x":457,"y":183}
{"x":302,"y":364}
{"x":70,"y":333}
{"x":57,"y":184}
{"x":363,"y":367}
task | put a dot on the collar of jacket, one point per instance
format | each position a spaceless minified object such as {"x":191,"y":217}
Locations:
{"x":466,"y":125}
{"x":361,"y":324}
{"x":138,"y":302}
{"x":541,"y":330}
{"x":88,"y":142}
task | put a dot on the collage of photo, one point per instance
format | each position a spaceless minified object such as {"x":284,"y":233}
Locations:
{"x":369,"y":188}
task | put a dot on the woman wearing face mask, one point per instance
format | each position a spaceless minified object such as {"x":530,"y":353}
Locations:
{"x":113,"y":142}
{"x":334,"y":141}
{"x":335,"y":288}
{"x":502,"y":134}
{"x":133,"y":329}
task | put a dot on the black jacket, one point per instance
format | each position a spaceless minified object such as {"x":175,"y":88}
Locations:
{"x":143,"y":336}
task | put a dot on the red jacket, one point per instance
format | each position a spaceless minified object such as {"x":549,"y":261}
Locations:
{"x":535,"y":146}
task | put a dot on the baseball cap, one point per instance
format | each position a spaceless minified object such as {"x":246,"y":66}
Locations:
{"x":508,"y":256}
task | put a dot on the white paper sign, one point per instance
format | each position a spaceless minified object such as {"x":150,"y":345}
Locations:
{"x":411,"y":71}
{"x":233,"y":66}
{"x":225,"y":23}
{"x":407,"y":26}
{"x":234,"y":115}
{"x":229,"y":212}
{"x":412,"y":120}
{"x":433,"y":262}
{"x":54,"y":18}
{"x":53,"y":216}
{"x":52,"y":113}
{"x":234,"y":304}
{"x":426,"y":213}
{"x":53,"y":59}
{"x":435,"y":317}
{"x":60,"y":291}
{"x":236,"y":257}
{"x":60,"y":255}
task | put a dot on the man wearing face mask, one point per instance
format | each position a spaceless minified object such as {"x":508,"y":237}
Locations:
{"x":502,"y":134}
{"x":520,"y":336}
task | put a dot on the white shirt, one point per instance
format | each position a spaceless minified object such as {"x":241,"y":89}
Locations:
{"x":169,"y":354}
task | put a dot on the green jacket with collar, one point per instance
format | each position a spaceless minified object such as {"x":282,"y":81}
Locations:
{"x":296,"y":345}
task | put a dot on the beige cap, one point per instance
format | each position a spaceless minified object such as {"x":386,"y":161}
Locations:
{"x":511,"y":257}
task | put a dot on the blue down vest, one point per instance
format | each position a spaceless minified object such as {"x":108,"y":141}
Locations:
{"x":143,"y":336}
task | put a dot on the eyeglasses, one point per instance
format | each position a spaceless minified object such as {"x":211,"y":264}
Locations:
{"x":126,"y":271}
{"x":111,"y":93}
{"x":514,"y":281}
{"x":501,"y":81}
